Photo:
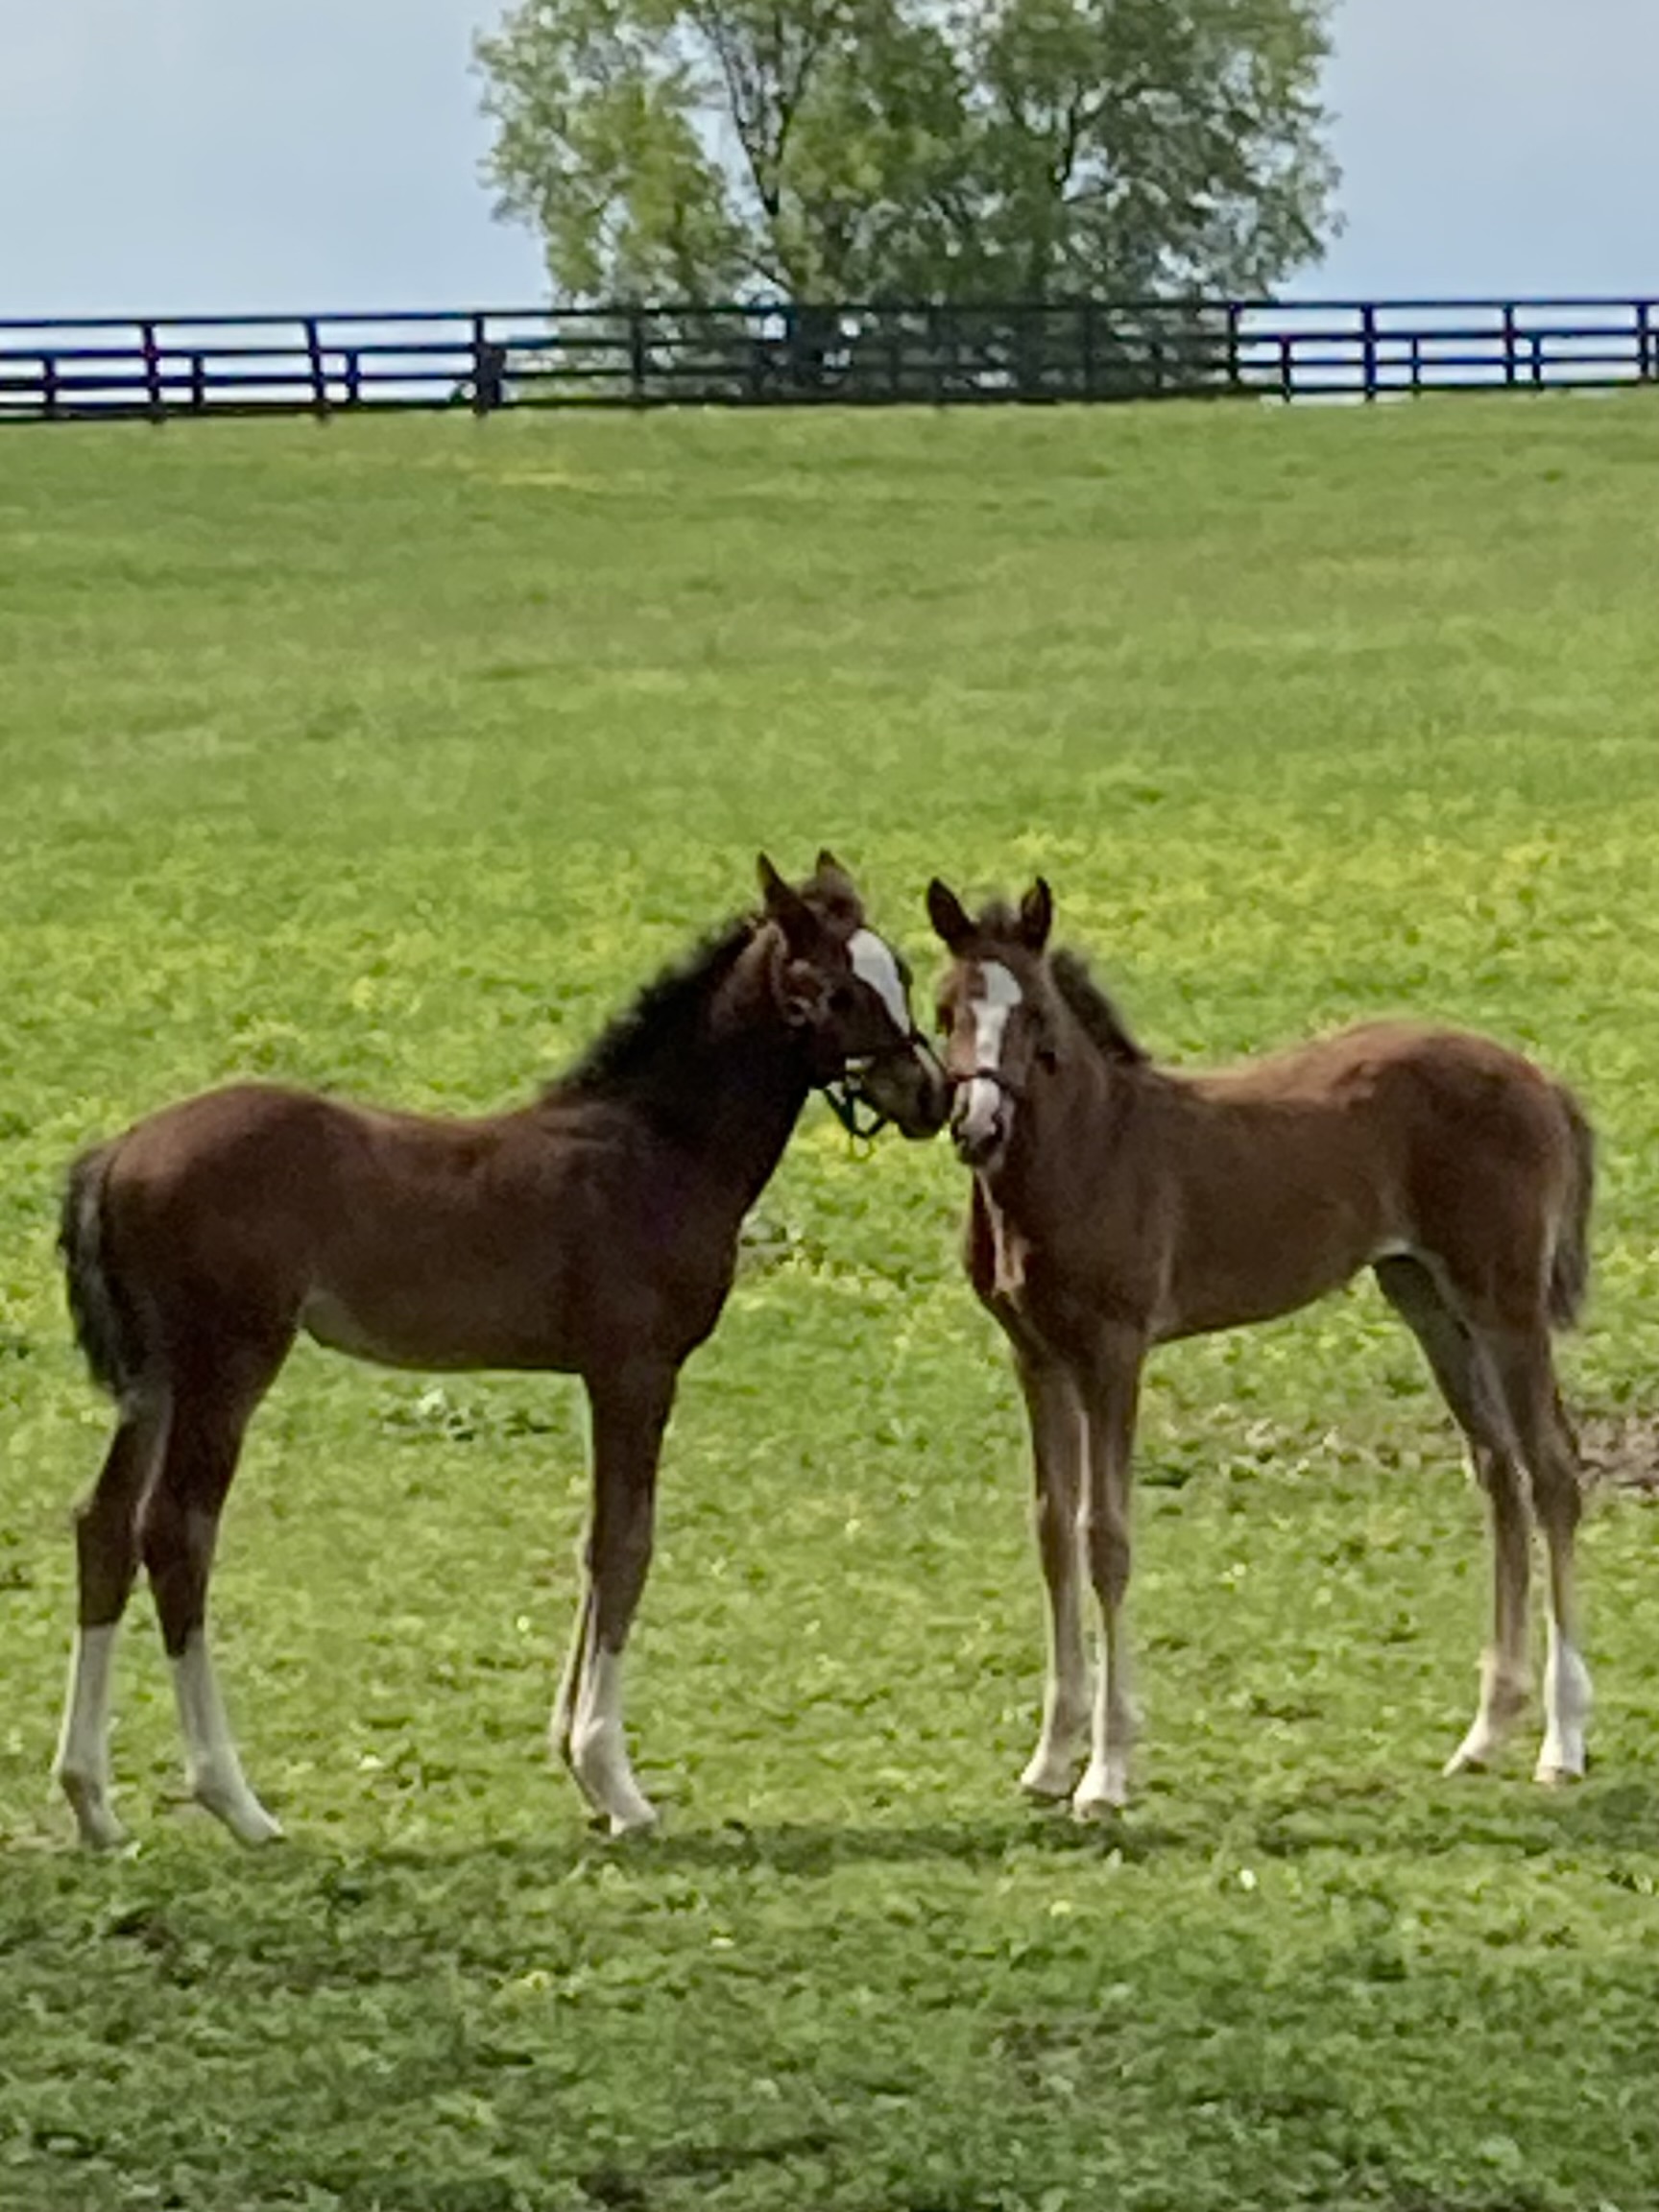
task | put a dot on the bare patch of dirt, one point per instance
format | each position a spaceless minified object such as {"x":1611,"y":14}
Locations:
{"x":1621,"y":1448}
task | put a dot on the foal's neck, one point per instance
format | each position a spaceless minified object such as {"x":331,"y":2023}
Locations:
{"x":1070,"y":1113}
{"x":755,"y":1078}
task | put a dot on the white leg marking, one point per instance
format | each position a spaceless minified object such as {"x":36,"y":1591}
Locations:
{"x":1049,"y":1772}
{"x":873,"y":963}
{"x":212,"y":1770}
{"x":598,"y":1753}
{"x":1104,"y":1789}
{"x":1567,"y":1702}
{"x":82,"y":1765}
{"x":992,"y":1006}
{"x":1503,"y":1692}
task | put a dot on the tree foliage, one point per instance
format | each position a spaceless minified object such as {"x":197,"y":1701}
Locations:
{"x":1030,"y":149}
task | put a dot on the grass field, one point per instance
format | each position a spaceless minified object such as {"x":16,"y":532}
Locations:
{"x":390,"y":758}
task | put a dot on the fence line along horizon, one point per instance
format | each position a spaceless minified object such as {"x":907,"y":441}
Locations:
{"x":775,"y":352}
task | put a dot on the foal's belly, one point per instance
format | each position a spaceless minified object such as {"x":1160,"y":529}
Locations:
{"x":456,"y":1342}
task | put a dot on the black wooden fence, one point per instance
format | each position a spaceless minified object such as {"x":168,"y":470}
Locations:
{"x":772,"y":354}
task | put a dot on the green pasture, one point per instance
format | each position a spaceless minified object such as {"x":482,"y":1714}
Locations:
{"x":391,"y":757}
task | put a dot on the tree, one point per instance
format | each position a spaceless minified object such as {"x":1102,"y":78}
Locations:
{"x":944,"y":150}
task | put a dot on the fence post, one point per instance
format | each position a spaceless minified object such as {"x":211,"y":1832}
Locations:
{"x":354,"y":377}
{"x":1644,"y":341}
{"x":1287,"y":367}
{"x":1510,"y":337}
{"x":197,"y":384}
{"x":489,"y":370}
{"x":638,"y":356}
{"x":1234,"y":365}
{"x":1368,"y":348}
{"x":1536,"y":341}
{"x":158,"y":403}
{"x":49,"y":386}
{"x":318,"y":382}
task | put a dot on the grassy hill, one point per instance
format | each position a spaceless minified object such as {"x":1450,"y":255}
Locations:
{"x":391,"y":757}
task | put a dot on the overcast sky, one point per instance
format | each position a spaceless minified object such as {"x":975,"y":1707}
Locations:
{"x":170,"y":156}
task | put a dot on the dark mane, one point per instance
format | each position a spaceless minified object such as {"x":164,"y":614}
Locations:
{"x":645,"y":1050}
{"x":1095,"y":1010}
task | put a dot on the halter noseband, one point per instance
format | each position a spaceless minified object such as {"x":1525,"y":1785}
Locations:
{"x":1004,"y":1083}
{"x":846,"y":1092}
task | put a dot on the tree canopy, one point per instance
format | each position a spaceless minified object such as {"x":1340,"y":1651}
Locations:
{"x":947,"y":150}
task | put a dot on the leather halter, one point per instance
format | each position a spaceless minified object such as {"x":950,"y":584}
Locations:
{"x":1004,"y":1083}
{"x":846,"y":1092}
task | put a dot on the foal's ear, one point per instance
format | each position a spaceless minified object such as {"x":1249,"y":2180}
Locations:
{"x":1036,"y":916}
{"x":840,"y":893}
{"x":949,"y":919}
{"x":786,"y":907}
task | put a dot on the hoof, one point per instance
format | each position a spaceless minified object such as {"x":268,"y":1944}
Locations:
{"x":1047,"y":1779}
{"x":1102,"y":1794}
{"x":96,"y":1824}
{"x":602,"y":1773}
{"x":1555,"y":1774}
{"x":241,"y":1812}
{"x":638,"y":1819}
{"x":1464,"y":1761}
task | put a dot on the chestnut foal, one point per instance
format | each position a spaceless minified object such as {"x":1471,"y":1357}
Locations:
{"x":592,"y":1231}
{"x":1116,"y":1205}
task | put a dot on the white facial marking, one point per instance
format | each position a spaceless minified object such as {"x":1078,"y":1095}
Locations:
{"x":998,"y":995}
{"x":212,"y":1765}
{"x":873,"y":963}
{"x":82,"y":1761}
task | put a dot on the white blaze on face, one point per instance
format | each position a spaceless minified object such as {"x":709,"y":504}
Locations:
{"x":998,"y":995}
{"x":873,"y":963}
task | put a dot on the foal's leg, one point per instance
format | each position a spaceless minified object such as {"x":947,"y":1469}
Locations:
{"x":630,"y":1412}
{"x":179,"y":1528}
{"x":564,"y":1715}
{"x":106,"y":1562}
{"x":1059,"y":1441}
{"x":1527,"y":1374}
{"x":1110,"y":1384}
{"x":1470,"y":1388}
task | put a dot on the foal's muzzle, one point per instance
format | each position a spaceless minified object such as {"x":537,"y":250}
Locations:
{"x":981,"y":1144}
{"x":904,"y":1084}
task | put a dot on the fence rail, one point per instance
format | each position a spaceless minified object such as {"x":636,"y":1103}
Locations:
{"x":781,"y":354}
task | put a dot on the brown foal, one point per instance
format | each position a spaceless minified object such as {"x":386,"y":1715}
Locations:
{"x":1116,"y":1205}
{"x":593,"y":1232}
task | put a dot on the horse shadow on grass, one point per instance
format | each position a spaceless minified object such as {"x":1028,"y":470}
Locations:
{"x":1322,"y":1814}
{"x":811,"y":1850}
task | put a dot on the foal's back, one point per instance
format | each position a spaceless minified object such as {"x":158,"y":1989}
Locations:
{"x":1283,"y":1177}
{"x":407,"y":1238}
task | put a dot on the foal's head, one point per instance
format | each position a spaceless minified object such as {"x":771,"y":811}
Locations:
{"x":1011,"y":1010}
{"x":996,"y":1011}
{"x":847,"y":992}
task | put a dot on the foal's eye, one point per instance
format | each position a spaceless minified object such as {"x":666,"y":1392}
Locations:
{"x":842,"y":998}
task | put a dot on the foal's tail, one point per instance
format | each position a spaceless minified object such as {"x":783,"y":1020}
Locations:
{"x":105,"y":1324}
{"x":1569,"y":1262}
